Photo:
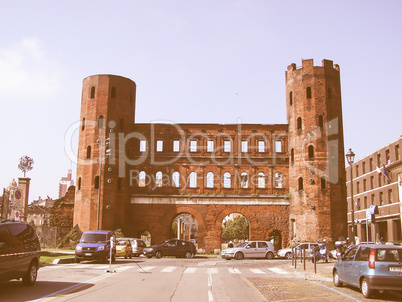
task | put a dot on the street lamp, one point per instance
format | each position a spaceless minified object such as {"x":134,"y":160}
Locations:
{"x":350,"y":157}
{"x":102,"y":146}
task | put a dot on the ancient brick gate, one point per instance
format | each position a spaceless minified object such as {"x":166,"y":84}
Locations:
{"x":155,"y":214}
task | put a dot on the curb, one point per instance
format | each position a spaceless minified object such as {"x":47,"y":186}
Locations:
{"x":63,"y":260}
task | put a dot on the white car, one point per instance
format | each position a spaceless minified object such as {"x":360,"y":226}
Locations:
{"x":250,"y":249}
{"x":287,"y":253}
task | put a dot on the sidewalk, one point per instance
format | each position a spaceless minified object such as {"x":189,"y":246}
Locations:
{"x":323,"y":270}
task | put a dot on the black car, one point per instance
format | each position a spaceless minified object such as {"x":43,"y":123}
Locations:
{"x":171,"y":247}
{"x":19,"y":252}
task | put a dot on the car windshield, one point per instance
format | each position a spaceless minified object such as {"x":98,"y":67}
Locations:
{"x":121,"y":242}
{"x":92,"y":238}
{"x":244,"y":244}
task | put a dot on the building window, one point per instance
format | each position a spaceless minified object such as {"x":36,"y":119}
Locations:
{"x":176,"y":146}
{"x":310,"y":152}
{"x":397,"y":154}
{"x":357,"y":170}
{"x":278,"y":146}
{"x":365,"y":202}
{"x":88,"y":152}
{"x":299,"y":123}
{"x":291,"y":98}
{"x":387,"y":157}
{"x":261,"y":180}
{"x":358,"y":203}
{"x":227,"y":180}
{"x":244,"y":180}
{"x":320,"y":121}
{"x":308,"y":92}
{"x":96,"y":182}
{"x":143,"y":145}
{"x":364,"y":167}
{"x":113,"y":94}
{"x":100,"y":122}
{"x":278,"y":180}
{"x":193,"y":146}
{"x":210,"y":146}
{"x":244,"y":146}
{"x":159,"y":146}
{"x":176,"y":179}
{"x":371,"y":164}
{"x":158,"y":179}
{"x":390,"y":196}
{"x":358,"y":187}
{"x":364,"y":185}
{"x":261,"y":146}
{"x":292,"y":155}
{"x":372,"y":182}
{"x":141,"y":179}
{"x":92,"y":93}
{"x":300,"y":182}
{"x":381,"y":198}
{"x":210,"y":180}
{"x":83,"y":124}
{"x":79,"y":183}
{"x":193,"y":180}
{"x":227,"y":146}
{"x":372,"y":199}
{"x":323,"y":183}
{"x":378,"y":160}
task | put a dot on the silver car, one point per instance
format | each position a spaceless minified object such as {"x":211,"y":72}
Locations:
{"x":308,"y":246}
{"x":370,"y":267}
{"x":250,"y":249}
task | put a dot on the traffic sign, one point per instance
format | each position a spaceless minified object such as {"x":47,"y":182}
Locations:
{"x":18,"y":194}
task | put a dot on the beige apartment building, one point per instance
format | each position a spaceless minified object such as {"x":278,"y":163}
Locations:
{"x":377,"y":185}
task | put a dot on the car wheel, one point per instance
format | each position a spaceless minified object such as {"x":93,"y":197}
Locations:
{"x":31,"y":275}
{"x":366,"y":289}
{"x":269,"y":255}
{"x":337,"y":283}
{"x":158,"y":254}
{"x":288,"y":256}
{"x":239,"y":256}
{"x":188,"y":255}
{"x":149,"y":256}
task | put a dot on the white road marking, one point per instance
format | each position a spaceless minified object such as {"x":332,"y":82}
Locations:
{"x":234,"y":271}
{"x":168,"y":269}
{"x":190,"y":270}
{"x":256,"y":271}
{"x":278,"y":270}
{"x":210,"y":295}
{"x":213,"y":270}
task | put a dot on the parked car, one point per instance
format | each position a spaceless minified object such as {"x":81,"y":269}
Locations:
{"x":287,"y":253}
{"x":19,"y":252}
{"x":138,"y":246}
{"x":171,"y":247}
{"x":95,"y":245}
{"x":370,"y":268}
{"x":123,"y":248}
{"x":250,"y":249}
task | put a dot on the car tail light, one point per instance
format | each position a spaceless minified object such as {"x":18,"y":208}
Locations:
{"x":372,"y":259}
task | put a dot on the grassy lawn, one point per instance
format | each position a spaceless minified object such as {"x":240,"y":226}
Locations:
{"x":49,"y":256}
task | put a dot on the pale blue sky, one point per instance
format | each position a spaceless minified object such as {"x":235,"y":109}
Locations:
{"x":227,"y":56}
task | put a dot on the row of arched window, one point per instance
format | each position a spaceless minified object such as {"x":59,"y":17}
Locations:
{"x":309,"y":94}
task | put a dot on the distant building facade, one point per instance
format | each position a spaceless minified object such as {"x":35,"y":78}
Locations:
{"x":65,"y":183}
{"x":377,"y":182}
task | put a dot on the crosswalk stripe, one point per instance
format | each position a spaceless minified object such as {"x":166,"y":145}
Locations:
{"x":234,"y":271}
{"x":190,"y":270}
{"x":146,"y":268}
{"x":212,"y":270}
{"x":256,"y":271}
{"x":278,"y":270}
{"x":168,"y":269}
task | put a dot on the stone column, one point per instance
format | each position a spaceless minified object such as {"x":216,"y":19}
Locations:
{"x":23,"y":185}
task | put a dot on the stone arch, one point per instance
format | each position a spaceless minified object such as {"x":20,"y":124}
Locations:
{"x":219,"y":218}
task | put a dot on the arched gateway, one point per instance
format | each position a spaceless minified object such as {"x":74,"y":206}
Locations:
{"x":139,"y":177}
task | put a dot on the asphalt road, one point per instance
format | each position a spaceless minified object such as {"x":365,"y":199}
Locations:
{"x":171,"y":279}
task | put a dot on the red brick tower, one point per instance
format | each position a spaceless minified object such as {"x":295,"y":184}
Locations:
{"x":107,"y":113}
{"x":316,"y":148}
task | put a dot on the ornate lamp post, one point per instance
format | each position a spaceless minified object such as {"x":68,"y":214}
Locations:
{"x":350,"y":157}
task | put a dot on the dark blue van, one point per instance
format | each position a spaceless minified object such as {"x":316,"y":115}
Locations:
{"x":95,"y":245}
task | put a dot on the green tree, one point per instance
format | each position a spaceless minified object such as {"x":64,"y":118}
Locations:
{"x":25,"y":164}
{"x":237,"y":228}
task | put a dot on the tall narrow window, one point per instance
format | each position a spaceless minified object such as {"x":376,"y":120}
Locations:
{"x":292,"y":155}
{"x":397,"y":154}
{"x":159,"y":146}
{"x":323,"y":183}
{"x":158,"y":179}
{"x":210,"y":146}
{"x":261,"y":180}
{"x":227,"y":146}
{"x":193,"y":180}
{"x":176,"y":179}
{"x":244,"y":146}
{"x":227,"y":180}
{"x":291,"y":98}
{"x":300,"y":181}
{"x":143,"y":145}
{"x":176,"y":146}
{"x":96,"y":182}
{"x":310,"y":152}
{"x":83,"y":124}
{"x":193,"y":146}
{"x":210,"y":180}
{"x":320,"y":121}
{"x":88,"y":152}
{"x":79,"y":183}
{"x":113,"y":94}
{"x":278,"y":180}
{"x":141,"y":179}
{"x":244,"y":180}
{"x":299,"y":123}
{"x":278,"y":146}
{"x":261,"y":146}
{"x":308,"y":92}
{"x":390,"y":196}
{"x":100,"y":122}
{"x":92,"y":94}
